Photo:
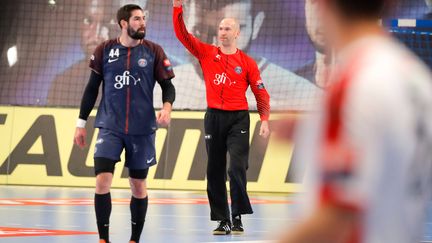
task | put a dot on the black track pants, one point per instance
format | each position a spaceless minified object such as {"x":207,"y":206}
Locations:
{"x":227,"y":131}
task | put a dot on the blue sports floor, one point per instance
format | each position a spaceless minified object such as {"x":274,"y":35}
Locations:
{"x":50,"y":214}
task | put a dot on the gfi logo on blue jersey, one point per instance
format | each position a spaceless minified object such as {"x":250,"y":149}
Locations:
{"x":124,"y":79}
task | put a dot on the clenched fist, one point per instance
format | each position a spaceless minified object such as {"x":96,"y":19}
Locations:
{"x":177,"y":3}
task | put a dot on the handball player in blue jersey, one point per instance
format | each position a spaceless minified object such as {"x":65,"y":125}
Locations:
{"x":128,"y":68}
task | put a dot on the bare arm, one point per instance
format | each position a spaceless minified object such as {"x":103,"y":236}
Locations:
{"x":177,"y":3}
{"x":328,"y":224}
{"x":163,"y":117}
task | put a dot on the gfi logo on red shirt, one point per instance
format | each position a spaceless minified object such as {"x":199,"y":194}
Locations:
{"x":222,"y":79}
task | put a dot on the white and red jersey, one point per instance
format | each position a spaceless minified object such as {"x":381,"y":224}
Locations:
{"x":370,"y":147}
{"x":227,"y":77}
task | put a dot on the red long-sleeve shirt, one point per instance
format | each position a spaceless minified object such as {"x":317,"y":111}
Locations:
{"x":226,"y":77}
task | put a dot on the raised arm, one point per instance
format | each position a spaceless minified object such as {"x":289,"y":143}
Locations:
{"x":193,"y":44}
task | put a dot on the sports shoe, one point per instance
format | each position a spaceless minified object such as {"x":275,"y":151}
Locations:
{"x":237,"y":226}
{"x":103,"y":241}
{"x":224,"y":228}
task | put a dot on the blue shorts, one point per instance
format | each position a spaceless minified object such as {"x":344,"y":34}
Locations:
{"x":140,"y":149}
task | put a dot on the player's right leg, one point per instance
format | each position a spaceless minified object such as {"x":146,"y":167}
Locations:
{"x":104,"y":169}
{"x":107,"y":152}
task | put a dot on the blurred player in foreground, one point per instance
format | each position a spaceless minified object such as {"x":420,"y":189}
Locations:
{"x":128,"y":67}
{"x":368,"y":153}
{"x":228,"y":72}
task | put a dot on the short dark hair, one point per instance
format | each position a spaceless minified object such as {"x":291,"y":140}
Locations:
{"x":355,"y":9}
{"x":125,"y":12}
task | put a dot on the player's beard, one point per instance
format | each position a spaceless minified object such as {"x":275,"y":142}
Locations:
{"x":136,"y":34}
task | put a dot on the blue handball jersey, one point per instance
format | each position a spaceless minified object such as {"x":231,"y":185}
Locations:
{"x":129,"y":76}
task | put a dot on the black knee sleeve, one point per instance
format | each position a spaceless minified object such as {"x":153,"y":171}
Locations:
{"x":104,"y":165}
{"x":138,"y":174}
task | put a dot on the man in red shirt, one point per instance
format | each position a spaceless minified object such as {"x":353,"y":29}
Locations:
{"x":228,"y":72}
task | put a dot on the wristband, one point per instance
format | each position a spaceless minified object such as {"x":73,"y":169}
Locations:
{"x":81,"y":123}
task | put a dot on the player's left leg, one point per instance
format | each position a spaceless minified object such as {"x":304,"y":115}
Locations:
{"x":238,"y":148}
{"x":139,"y":202}
{"x":140,"y":155}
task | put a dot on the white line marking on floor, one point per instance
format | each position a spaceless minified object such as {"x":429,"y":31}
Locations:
{"x":14,"y":224}
{"x":167,"y":229}
{"x":56,"y":211}
{"x":42,"y":225}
